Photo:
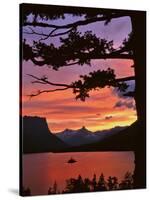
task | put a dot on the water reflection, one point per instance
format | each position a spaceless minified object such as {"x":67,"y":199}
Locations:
{"x":40,"y":171}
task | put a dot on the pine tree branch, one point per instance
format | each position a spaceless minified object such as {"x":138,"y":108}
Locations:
{"x":75,"y":24}
{"x":74,"y":86}
{"x":92,"y":57}
{"x":46,"y":91}
{"x":129,"y":78}
{"x":46,"y":36}
{"x":44,"y":80}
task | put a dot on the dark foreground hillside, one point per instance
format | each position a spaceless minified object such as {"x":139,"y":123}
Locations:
{"x":37,"y":138}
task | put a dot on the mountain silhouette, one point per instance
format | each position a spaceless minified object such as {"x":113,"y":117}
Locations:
{"x":124,"y":140}
{"x":37,"y":137}
{"x":76,"y":137}
{"x":84,"y":136}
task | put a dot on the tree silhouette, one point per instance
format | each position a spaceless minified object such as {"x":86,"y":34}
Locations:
{"x":53,"y":189}
{"x":112,"y":183}
{"x":86,"y":185}
{"x":77,"y":48}
{"x":94,"y":183}
{"x":101,"y":183}
{"x":50,"y":190}
{"x":127,"y":182}
{"x":74,"y":185}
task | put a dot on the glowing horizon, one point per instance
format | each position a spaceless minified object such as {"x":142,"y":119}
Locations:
{"x":62,"y":110}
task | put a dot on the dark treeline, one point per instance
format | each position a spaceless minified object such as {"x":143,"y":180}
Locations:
{"x":79,"y":184}
{"x":75,"y":185}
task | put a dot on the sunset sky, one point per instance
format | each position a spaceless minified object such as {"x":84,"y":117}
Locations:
{"x":105,"y":108}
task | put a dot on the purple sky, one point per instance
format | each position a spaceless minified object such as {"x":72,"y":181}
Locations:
{"x":61,"y":109}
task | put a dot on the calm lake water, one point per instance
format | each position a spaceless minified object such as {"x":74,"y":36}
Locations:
{"x":40,"y":171}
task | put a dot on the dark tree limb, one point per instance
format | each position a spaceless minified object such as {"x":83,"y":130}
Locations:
{"x":32,"y":32}
{"x":75,"y":24}
{"x":42,"y":62}
{"x":49,"y":35}
{"x":44,"y":80}
{"x":129,"y":78}
{"x":81,"y":87}
{"x":46,"y":36}
{"x":46,"y":91}
{"x":89,"y":47}
{"x":113,"y":56}
{"x":92,"y":57}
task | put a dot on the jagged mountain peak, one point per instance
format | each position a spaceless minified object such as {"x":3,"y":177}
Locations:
{"x":68,"y":130}
{"x":84,"y":136}
{"x":84,"y":128}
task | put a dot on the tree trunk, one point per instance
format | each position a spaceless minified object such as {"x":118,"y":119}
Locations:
{"x":138,"y":21}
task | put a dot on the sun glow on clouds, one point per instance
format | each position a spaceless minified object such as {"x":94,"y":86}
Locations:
{"x":97,"y":113}
{"x":62,"y":110}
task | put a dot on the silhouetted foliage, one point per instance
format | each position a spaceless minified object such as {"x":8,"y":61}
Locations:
{"x":93,"y":81}
{"x":50,"y":190}
{"x":77,"y":48}
{"x":54,"y":189}
{"x":96,"y":80}
{"x":112,"y":183}
{"x":74,"y":185}
{"x":127,"y":183}
{"x":79,"y":184}
{"x":46,"y":13}
{"x":94,"y":183}
{"x":74,"y":47}
{"x":102,"y":184}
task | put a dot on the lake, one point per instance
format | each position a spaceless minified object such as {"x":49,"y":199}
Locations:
{"x":40,"y":171}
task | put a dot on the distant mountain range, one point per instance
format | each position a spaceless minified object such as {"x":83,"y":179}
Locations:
{"x":37,"y":138}
{"x":84,"y":136}
{"x":124,"y":140}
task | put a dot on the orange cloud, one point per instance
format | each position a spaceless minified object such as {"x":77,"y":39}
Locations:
{"x":63,"y":111}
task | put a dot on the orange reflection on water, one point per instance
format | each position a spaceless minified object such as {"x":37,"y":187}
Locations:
{"x":40,"y":171}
